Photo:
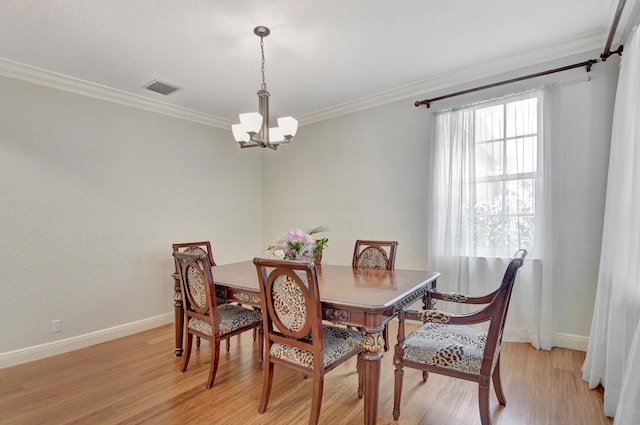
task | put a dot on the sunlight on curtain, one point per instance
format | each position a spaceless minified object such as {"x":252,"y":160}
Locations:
{"x":487,"y":201}
{"x":617,"y":306}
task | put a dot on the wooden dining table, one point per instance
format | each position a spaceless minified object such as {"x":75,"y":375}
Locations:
{"x":363,"y":298}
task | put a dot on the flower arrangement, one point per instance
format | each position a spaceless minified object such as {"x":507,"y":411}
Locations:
{"x":299,"y":245}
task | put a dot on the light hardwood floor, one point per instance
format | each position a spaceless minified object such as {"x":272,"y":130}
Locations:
{"x":137,"y":380}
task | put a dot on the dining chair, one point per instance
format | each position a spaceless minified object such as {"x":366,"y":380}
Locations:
{"x":369,"y":254}
{"x":448,"y":344}
{"x":203,"y":317}
{"x":295,"y":336}
{"x":197,"y":247}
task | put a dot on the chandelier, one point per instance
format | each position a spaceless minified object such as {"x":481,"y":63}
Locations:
{"x":253,"y":129}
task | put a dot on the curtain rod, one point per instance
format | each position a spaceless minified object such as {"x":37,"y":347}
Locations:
{"x":612,"y":32}
{"x":588,"y":64}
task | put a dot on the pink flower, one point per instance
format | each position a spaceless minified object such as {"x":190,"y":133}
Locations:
{"x":300,"y":235}
{"x":296,"y":245}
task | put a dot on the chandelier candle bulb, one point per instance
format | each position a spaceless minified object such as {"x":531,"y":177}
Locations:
{"x":275,"y":134}
{"x":251,"y":122}
{"x":239,"y":134}
{"x":289,"y":126}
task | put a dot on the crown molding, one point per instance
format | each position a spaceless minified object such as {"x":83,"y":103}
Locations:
{"x":469,"y":74}
{"x":74,"y":85}
{"x":443,"y":81}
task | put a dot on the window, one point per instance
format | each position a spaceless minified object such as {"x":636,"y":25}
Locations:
{"x":489,"y":164}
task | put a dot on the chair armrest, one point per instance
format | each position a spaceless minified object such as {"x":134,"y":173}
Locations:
{"x":462,"y":299}
{"x":437,"y":316}
{"x":434,"y":316}
{"x":424,"y":316}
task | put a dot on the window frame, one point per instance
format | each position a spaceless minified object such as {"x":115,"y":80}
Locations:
{"x":505,"y":177}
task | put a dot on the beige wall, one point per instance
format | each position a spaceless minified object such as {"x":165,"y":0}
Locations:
{"x":93,"y":194}
{"x":361,"y":174}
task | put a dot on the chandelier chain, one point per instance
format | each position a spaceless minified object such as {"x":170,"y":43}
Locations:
{"x":264,"y":84}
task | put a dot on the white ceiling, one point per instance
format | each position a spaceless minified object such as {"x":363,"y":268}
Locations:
{"x":321,"y":55}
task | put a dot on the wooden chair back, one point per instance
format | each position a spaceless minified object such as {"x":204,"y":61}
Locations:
{"x":198,"y":290}
{"x":194,"y":247}
{"x":370,"y":254}
{"x":202,"y":316}
{"x":295,"y":335}
{"x":291,"y":305}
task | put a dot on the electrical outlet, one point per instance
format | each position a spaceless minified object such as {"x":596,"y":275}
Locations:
{"x":56,"y":325}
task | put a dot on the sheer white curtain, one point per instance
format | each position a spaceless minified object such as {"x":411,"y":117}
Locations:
{"x":617,"y":306}
{"x":487,"y":199}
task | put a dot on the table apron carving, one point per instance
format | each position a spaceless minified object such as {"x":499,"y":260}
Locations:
{"x":337,"y":316}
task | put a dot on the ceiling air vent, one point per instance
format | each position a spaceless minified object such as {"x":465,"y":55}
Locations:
{"x":160,"y":87}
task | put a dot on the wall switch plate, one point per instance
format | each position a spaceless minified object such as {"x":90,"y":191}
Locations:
{"x":56,"y":325}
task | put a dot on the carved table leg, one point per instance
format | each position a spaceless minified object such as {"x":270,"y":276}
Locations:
{"x":429,"y":303}
{"x":374,"y":346}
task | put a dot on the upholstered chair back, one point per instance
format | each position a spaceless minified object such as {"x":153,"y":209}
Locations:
{"x":198,"y":300}
{"x":374,"y":254}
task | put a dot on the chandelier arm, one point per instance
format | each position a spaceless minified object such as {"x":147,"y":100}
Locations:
{"x":258,"y":144}
{"x":281,"y":142}
{"x":244,"y":145}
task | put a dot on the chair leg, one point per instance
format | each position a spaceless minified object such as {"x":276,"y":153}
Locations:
{"x":198,"y":342}
{"x":215,"y":355}
{"x":360,"y":375}
{"x":316,"y":403}
{"x":397,"y":390}
{"x":187,"y":350}
{"x":425,"y":375}
{"x":497,"y":384}
{"x":255,"y":330}
{"x":483,"y":400}
{"x":229,"y":342}
{"x":260,"y":331}
{"x":266,"y":386}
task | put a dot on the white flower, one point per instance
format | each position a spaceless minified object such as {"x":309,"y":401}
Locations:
{"x":278,"y":253}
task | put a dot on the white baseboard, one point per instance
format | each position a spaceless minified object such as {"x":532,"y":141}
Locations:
{"x":15,"y":357}
{"x":570,"y":341}
{"x":560,"y":340}
{"x":12,"y":358}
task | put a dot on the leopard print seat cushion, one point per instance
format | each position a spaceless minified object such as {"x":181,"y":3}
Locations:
{"x":231,"y":317}
{"x":337,"y":342}
{"x":454,"y":347}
